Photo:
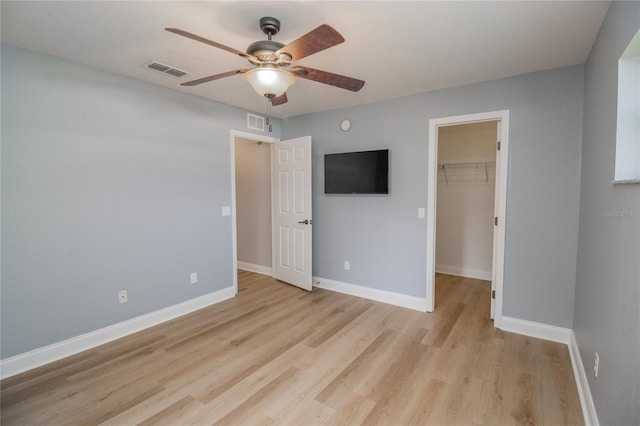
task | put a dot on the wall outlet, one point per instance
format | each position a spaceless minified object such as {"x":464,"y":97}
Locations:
{"x":347,"y":265}
{"x":596,"y":364}
{"x":122,"y":296}
{"x":194,"y":277}
{"x":420,"y":212}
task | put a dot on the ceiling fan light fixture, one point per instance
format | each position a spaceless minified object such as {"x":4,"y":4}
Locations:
{"x":270,"y":81}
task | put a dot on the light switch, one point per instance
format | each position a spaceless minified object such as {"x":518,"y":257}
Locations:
{"x":420,"y":212}
{"x":226,"y":210}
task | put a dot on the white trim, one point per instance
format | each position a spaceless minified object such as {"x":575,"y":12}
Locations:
{"x":501,"y":201}
{"x":463,"y":272}
{"x":273,"y":206}
{"x":233,"y":134}
{"x":625,"y":181}
{"x":258,"y":269}
{"x":403,"y":300}
{"x":588,"y":407}
{"x":432,"y":183}
{"x":536,"y":329}
{"x":44,"y":355}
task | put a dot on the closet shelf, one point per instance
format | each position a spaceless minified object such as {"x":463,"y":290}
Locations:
{"x":474,"y":164}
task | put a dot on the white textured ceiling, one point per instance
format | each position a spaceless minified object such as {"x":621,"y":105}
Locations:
{"x":398,"y":48}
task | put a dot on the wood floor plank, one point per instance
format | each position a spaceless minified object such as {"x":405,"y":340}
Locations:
{"x":174,"y":414}
{"x":47,"y":372}
{"x":526,"y":409}
{"x":399,"y":372}
{"x":83,"y":405}
{"x":312,"y":413}
{"x":352,"y":410}
{"x":237,"y":394}
{"x":420,"y":412}
{"x":336,"y":321}
{"x":256,"y":352}
{"x":147,"y":408}
{"x":348,"y":343}
{"x":440,"y":332}
{"x":401,"y":386}
{"x":254,"y":407}
{"x":358,"y":371}
{"x":278,"y":355}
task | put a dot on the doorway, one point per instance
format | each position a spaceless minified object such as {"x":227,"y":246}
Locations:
{"x":501,"y":118}
{"x":253,"y":205}
{"x":465,"y":200}
{"x":244,"y":142}
{"x":290,"y":208}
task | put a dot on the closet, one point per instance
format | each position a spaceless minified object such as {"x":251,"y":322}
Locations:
{"x":465,"y":199}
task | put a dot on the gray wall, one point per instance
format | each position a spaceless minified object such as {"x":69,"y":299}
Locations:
{"x":382,"y":236}
{"x":107,"y":184}
{"x":607,"y":298}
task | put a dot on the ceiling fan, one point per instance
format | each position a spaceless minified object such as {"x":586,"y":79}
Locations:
{"x":273,"y":73}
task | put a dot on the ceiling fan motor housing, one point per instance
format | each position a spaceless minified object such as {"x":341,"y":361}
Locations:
{"x":264,"y":48}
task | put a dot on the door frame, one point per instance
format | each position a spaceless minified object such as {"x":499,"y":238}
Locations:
{"x":234,"y":224}
{"x":502,"y":160}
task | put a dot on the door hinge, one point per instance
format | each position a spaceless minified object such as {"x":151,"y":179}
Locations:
{"x":495,"y":221}
{"x":498,"y":145}
{"x":493,"y":294}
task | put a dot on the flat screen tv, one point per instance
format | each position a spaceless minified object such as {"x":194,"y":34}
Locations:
{"x":365,"y":172}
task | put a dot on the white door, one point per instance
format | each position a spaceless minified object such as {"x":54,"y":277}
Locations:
{"x":292,"y":212}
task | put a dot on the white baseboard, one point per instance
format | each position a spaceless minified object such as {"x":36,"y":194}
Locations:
{"x":588,"y":408}
{"x":403,"y":300}
{"x":37,"y":357}
{"x":463,"y":272}
{"x":258,"y":269}
{"x":566,"y":336}
{"x":536,"y":329}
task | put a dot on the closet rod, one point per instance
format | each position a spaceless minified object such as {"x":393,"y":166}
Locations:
{"x":472,"y":163}
{"x":486,"y":164}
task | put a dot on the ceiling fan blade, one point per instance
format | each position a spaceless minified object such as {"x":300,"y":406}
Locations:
{"x":215,"y":77}
{"x":279,"y":100}
{"x":209,"y":42}
{"x":326,"y":77}
{"x":312,"y":42}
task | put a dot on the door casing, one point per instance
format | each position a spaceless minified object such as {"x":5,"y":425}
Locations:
{"x":502,"y":117}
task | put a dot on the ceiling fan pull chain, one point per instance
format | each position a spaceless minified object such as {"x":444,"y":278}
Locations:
{"x":268,"y":119}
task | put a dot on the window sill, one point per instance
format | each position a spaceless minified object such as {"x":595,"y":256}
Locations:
{"x":626,"y":182}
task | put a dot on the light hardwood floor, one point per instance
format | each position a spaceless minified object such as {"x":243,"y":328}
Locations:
{"x":279,"y":355}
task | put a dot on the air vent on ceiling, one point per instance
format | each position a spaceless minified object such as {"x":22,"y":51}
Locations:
{"x":255,"y":122}
{"x":167,"y":69}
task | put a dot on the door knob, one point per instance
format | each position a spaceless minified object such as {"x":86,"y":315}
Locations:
{"x":304,"y":222}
